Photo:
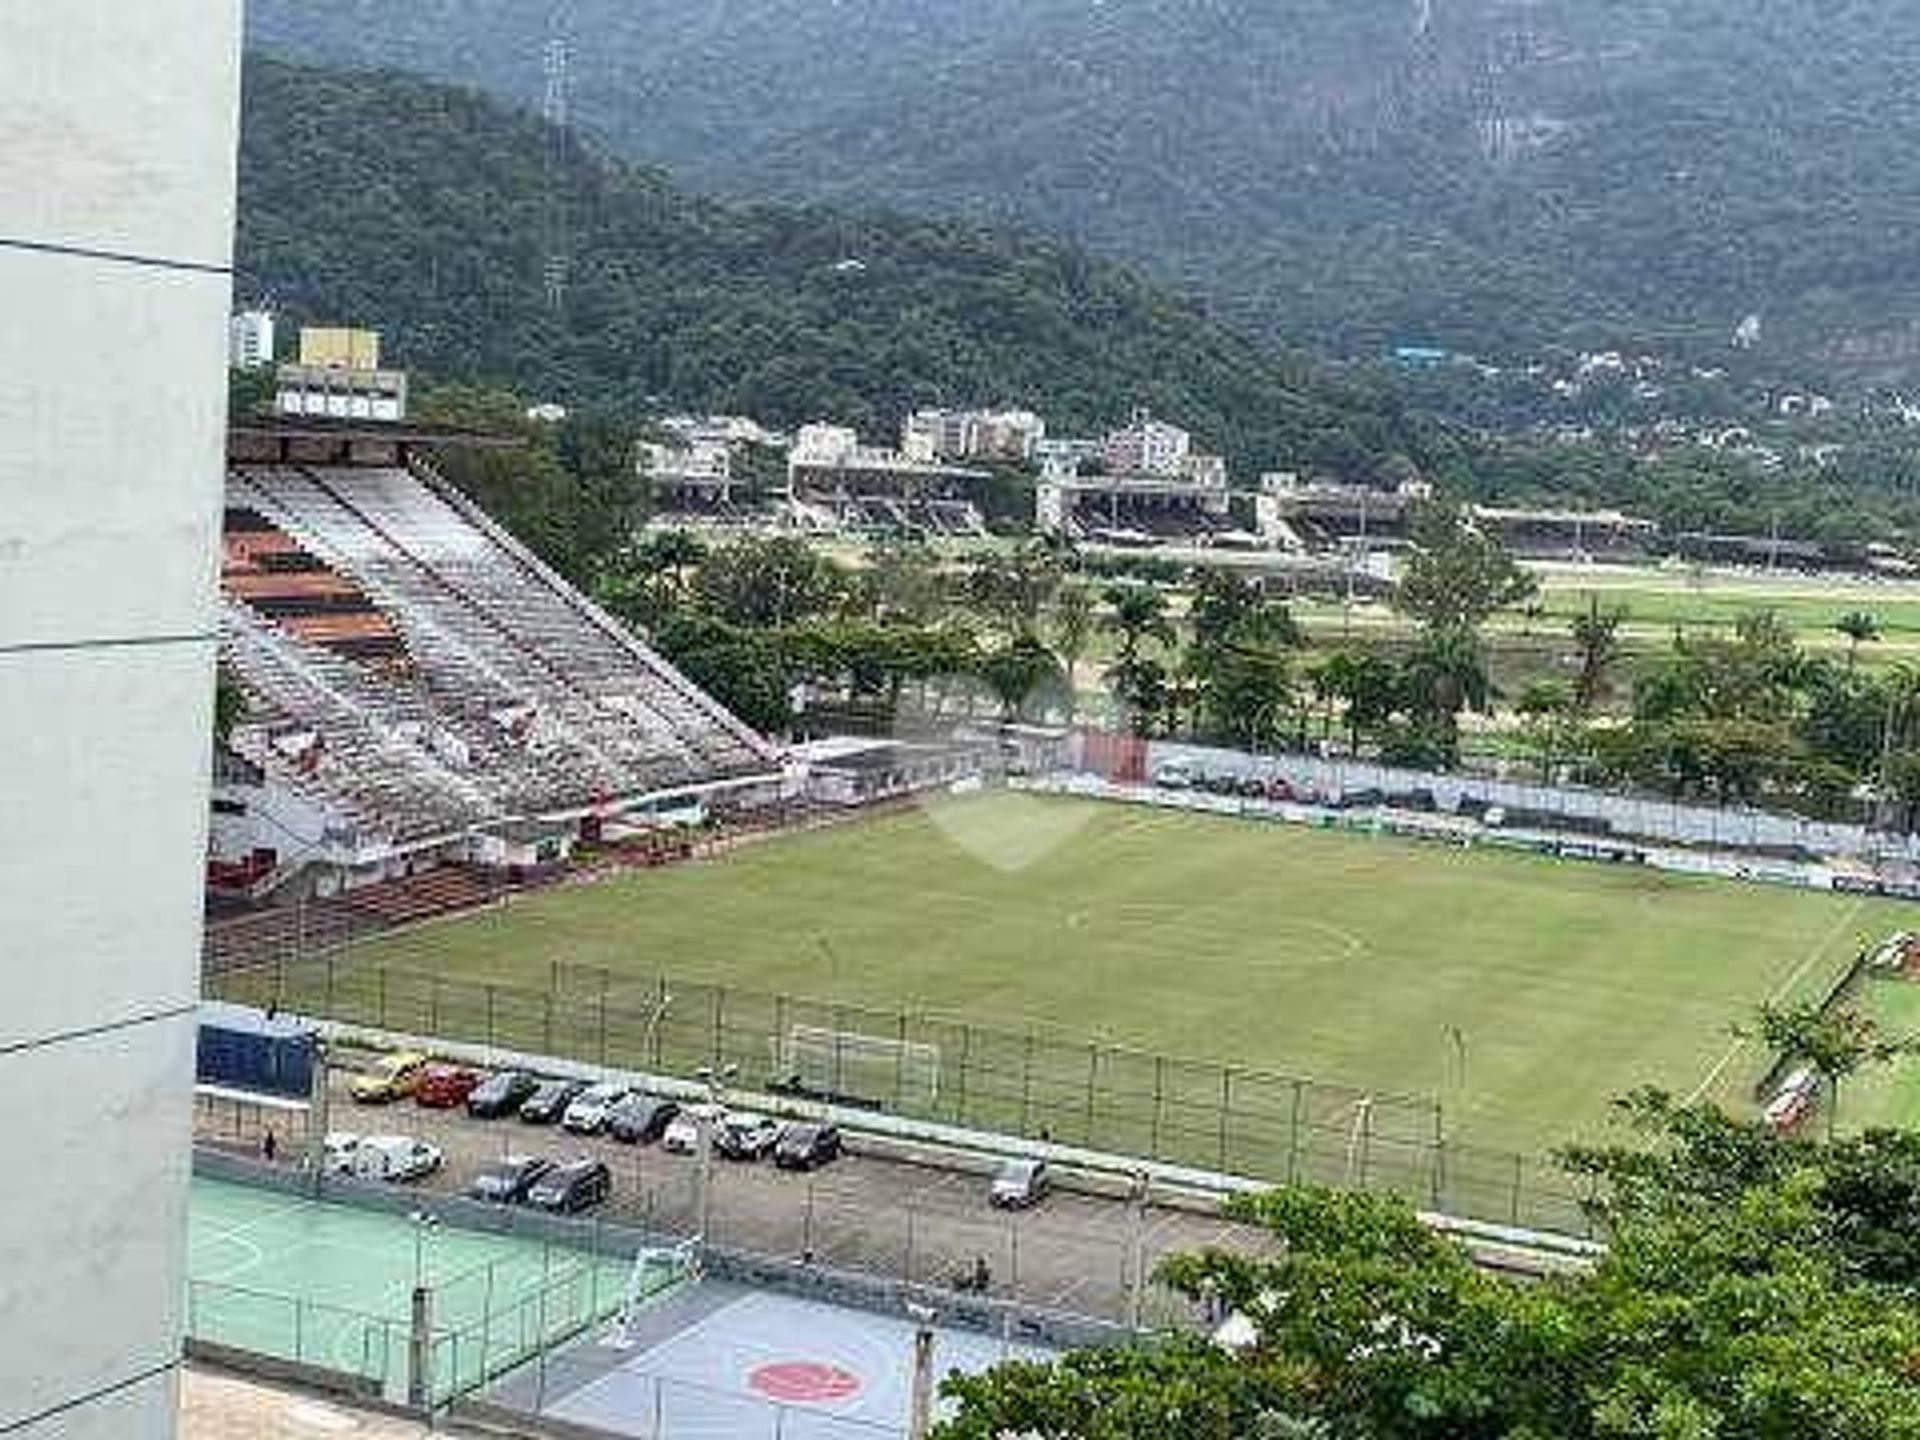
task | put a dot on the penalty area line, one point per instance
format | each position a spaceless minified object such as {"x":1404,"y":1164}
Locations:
{"x":1780,"y":992}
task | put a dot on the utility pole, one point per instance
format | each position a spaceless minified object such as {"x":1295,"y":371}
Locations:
{"x":711,"y":1111}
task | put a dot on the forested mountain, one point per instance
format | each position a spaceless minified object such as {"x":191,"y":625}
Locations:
{"x":1489,"y":174}
{"x":427,"y":211}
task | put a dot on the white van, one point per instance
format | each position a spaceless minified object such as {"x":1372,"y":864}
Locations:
{"x":395,"y":1158}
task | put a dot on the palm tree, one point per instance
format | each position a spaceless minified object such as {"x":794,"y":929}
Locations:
{"x":1596,"y":635}
{"x":1860,"y":628}
{"x":1137,"y":613}
{"x":1072,"y":628}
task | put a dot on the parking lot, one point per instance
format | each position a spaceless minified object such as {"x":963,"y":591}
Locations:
{"x":878,"y":1209}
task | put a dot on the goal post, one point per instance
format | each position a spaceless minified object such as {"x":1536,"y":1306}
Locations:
{"x":852,"y":1064}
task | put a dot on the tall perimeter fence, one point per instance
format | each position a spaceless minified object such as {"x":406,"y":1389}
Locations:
{"x":1226,"y":1118}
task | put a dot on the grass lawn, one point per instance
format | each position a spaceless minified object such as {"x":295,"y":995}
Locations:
{"x":1345,"y":958}
{"x":1886,"y":1094}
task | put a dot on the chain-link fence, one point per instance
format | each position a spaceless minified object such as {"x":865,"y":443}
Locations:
{"x":1224,"y":1118}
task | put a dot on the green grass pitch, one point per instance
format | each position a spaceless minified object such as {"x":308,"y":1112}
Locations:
{"x":1523,"y":992}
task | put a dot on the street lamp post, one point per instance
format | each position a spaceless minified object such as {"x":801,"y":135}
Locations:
{"x":920,"y":1398}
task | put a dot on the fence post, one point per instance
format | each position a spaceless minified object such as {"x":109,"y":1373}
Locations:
{"x":661,"y":1002}
{"x":1439,"y":1157}
{"x":719,"y":1025}
{"x":1226,"y":1105}
{"x":604,"y":982}
{"x":1159,"y":1101}
{"x":1293,"y":1132}
{"x":492,"y":1043}
{"x":433,"y":1005}
{"x":1515,"y":1208}
{"x":1093,"y":1071}
{"x":382,"y":973}
{"x":330,"y":969}
{"x":546,"y":1022}
{"x":1026,"y":1089}
{"x":900,"y":1064}
{"x":966,"y":1051}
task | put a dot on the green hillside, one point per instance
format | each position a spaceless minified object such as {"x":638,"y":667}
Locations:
{"x":426,"y":211}
{"x":1491,"y":174}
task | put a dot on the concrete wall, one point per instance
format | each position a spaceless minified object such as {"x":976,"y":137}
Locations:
{"x":116,"y":223}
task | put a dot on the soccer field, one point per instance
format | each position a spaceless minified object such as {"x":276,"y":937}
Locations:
{"x":1522,"y":992}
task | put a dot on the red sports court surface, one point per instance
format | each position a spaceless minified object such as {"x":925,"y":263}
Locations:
{"x":718,"y":1361}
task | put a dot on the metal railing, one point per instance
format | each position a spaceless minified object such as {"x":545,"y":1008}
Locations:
{"x":1224,"y":1118}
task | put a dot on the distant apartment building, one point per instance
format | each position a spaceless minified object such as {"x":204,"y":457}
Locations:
{"x":250,"y":340}
{"x":1147,"y":446}
{"x":1005,"y":436}
{"x":688,"y":474}
{"x":339,"y":377}
{"x":724,"y":429}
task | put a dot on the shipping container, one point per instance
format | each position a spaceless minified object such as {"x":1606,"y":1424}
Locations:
{"x":243,"y":1049}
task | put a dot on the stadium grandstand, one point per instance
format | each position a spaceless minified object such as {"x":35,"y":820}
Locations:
{"x":415,"y":686}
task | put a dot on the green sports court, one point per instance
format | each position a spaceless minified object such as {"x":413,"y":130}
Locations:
{"x":331,"y":1286}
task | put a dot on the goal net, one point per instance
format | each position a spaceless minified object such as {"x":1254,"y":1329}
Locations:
{"x":848,"y":1064}
{"x":657,"y":1270}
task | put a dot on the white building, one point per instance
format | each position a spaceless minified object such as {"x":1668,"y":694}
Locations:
{"x":118,"y":178}
{"x":250,"y":340}
{"x":696,"y":472}
{"x":1147,"y":447}
{"x":1005,"y":435}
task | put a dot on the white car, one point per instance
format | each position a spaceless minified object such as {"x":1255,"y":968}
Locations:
{"x":395,"y":1159}
{"x":745,"y":1135}
{"x":682,"y":1135}
{"x":593,"y":1107}
{"x":340,"y":1146}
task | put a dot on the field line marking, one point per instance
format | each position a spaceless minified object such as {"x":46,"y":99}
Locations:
{"x":1799,"y":971}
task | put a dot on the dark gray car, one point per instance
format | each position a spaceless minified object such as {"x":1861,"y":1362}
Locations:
{"x":506,"y":1182}
{"x":570,"y":1188}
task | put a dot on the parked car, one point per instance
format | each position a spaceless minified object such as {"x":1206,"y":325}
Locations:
{"x":395,"y":1158}
{"x":501,"y":1093}
{"x":338,"y":1150}
{"x":745,"y":1135}
{"x":391,"y":1077}
{"x":572,"y":1187}
{"x":641,"y":1119}
{"x":443,"y":1087}
{"x":1020,"y":1184}
{"x":682,"y":1135}
{"x":506,"y":1182}
{"x":806,"y":1146}
{"x":591,"y":1108}
{"x":548,"y":1103}
{"x":1173,"y":775}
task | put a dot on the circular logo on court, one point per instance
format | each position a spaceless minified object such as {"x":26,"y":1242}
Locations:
{"x":804,"y":1382}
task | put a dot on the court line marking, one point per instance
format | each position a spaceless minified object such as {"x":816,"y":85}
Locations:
{"x":1799,"y":972}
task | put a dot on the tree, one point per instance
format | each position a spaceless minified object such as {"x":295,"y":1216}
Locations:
{"x":1549,"y":722}
{"x":1596,"y":638}
{"x":1457,"y":576}
{"x":1753,"y":1286}
{"x":1366,"y":685}
{"x":1024,"y":677}
{"x":1837,"y":1043}
{"x":764,"y":582}
{"x":1860,"y":628}
{"x":1445,"y":673}
{"x":1071,"y":629}
{"x":1136,"y":613}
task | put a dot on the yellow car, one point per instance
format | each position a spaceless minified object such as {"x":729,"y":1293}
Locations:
{"x":391,"y":1077}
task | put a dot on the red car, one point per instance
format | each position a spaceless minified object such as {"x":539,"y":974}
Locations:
{"x":445,"y":1087}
